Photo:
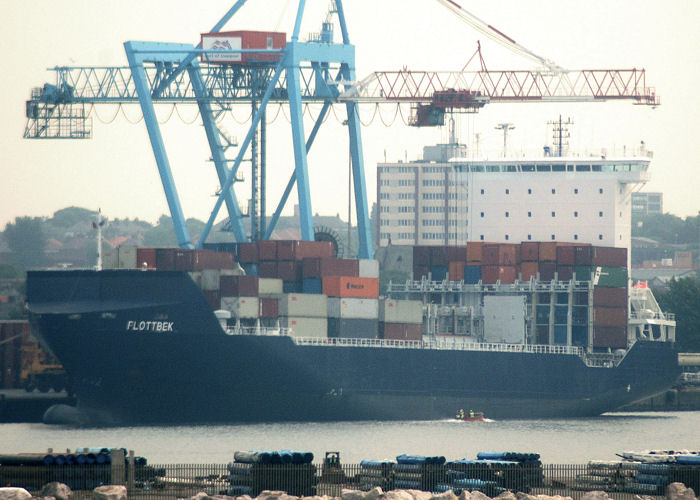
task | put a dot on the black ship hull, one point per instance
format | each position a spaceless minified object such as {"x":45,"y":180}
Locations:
{"x":145,"y":347}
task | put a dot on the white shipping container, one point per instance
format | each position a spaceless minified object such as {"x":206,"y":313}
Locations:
{"x":236,"y":271}
{"x":110,"y":258}
{"x":352,"y":308}
{"x":309,"y":305}
{"x":241,"y":307}
{"x":401,"y":311}
{"x":305,"y":327}
{"x":269,"y":286}
{"x":369,"y":268}
{"x":210,"y":280}
{"x":127,"y":257}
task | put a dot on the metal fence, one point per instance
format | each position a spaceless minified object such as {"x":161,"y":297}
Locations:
{"x":620,"y":480}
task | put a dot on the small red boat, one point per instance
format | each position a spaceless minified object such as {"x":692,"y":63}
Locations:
{"x":469,"y":416}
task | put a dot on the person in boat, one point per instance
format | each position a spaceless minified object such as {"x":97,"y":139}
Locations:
{"x":471,"y":413}
{"x":460,"y":414}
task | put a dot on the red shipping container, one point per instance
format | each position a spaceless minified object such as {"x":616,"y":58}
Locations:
{"x":148,"y":257}
{"x":565,"y":273}
{"x":289,"y":270}
{"x":267,"y":269}
{"x":504,"y":274}
{"x":547,"y":270}
{"x":350,"y":286}
{"x":584,"y":255}
{"x":548,"y":251}
{"x":340,"y":267}
{"x":269,"y":308}
{"x":529,"y":251}
{"x":243,"y":39}
{"x":456,"y":271}
{"x":457,"y":254}
{"x":610,"y":297}
{"x":609,"y":256}
{"x":566,"y":255}
{"x":528,"y":270}
{"x":213,"y":298}
{"x":165,"y":259}
{"x":509,"y":254}
{"x":400,"y":331}
{"x":184,"y":260}
{"x":238,"y":286}
{"x":438,"y":256}
{"x":489,"y":254}
{"x":267,"y":250}
{"x":287,"y":249}
{"x":609,"y":316}
{"x":421,"y":256}
{"x":211,"y":259}
{"x":420,"y":272}
{"x":314,"y":249}
{"x":248,"y":253}
{"x":311,"y":268}
{"x":475,"y":252}
{"x":614,"y":337}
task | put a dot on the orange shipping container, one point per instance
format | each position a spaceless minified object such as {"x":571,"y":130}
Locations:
{"x":474,"y":252}
{"x":529,"y":270}
{"x":509,"y":254}
{"x":456,"y":271}
{"x":548,"y":251}
{"x":348,"y":286}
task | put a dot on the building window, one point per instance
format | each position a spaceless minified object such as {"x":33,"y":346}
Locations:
{"x":482,"y":214}
{"x":529,"y":191}
{"x":554,"y":214}
{"x":600,"y":214}
{"x":575,"y":214}
{"x":529,"y":214}
{"x":554,"y":237}
{"x":506,"y":237}
{"x":482,"y":191}
{"x":575,"y":190}
{"x":507,"y":191}
{"x":507,"y":214}
{"x":576,"y":236}
{"x":529,"y":236}
{"x":600,"y":236}
{"x":600,"y":190}
{"x":554,"y":191}
{"x":481,"y":237}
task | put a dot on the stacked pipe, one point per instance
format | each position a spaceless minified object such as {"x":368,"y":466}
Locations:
{"x":493,"y":473}
{"x":418,"y":472}
{"x":252,"y":472}
{"x":376,"y":473}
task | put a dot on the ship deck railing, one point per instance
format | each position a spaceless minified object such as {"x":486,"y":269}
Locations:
{"x":446,"y":286}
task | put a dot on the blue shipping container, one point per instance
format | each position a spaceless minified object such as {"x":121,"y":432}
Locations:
{"x":291,"y":287}
{"x":472,"y":275}
{"x":438,"y":273}
{"x":250,"y":269}
{"x":312,"y":285}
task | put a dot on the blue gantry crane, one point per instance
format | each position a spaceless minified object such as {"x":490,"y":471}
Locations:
{"x":293,"y":73}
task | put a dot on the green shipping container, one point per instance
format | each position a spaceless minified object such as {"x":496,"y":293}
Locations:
{"x":612,"y":277}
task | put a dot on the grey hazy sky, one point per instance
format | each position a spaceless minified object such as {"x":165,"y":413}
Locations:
{"x":116,"y":171}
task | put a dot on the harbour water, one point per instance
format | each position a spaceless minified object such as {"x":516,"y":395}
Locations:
{"x":558,"y":441}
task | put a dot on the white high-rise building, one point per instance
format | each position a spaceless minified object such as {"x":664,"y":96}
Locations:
{"x":446,"y":200}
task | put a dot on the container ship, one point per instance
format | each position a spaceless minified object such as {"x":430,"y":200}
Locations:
{"x":286,"y":331}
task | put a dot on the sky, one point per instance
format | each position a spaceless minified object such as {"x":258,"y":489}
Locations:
{"x":116,"y":171}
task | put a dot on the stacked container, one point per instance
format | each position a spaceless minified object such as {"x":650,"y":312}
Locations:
{"x":400,"y":319}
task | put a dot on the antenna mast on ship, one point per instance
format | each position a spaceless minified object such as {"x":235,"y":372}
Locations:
{"x":98,"y":225}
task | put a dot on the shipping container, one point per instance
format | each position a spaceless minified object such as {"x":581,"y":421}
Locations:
{"x":242,"y":40}
{"x":610,"y":297}
{"x":145,"y":258}
{"x":165,"y":259}
{"x":209,"y":259}
{"x":565,"y":272}
{"x":613,"y":337}
{"x":314,"y":250}
{"x":472,"y":274}
{"x":489,"y":254}
{"x":267,"y":250}
{"x":547,"y":270}
{"x":438,"y":256}
{"x":504,"y":274}
{"x":287,"y":249}
{"x":289,"y":270}
{"x":529,"y":251}
{"x":566,"y":255}
{"x":438,"y":273}
{"x":310,"y":305}
{"x":457,"y":254}
{"x":508,"y":254}
{"x":400,"y":331}
{"x":353,"y":308}
{"x":395,"y":258}
{"x":421,"y":256}
{"x":609,"y":256}
{"x":529,"y":269}
{"x":110,"y":258}
{"x":268,"y":269}
{"x":241,"y":307}
{"x":348,"y":286}
{"x":269,"y":307}
{"x":456,"y":271}
{"x":269,"y":286}
{"x":614,"y":277}
{"x":303,"y":326}
{"x":353,"y":328}
{"x":250,"y":269}
{"x":401,"y":311}
{"x":547,"y":251}
{"x":475,"y":252}
{"x":368,"y":268}
{"x":210,"y":279}
{"x":312,"y":285}
{"x":292,"y":287}
{"x":248,"y":253}
{"x":584,"y":273}
{"x":184,"y":259}
{"x":242,"y":286}
{"x":584,"y":255}
{"x":420,"y":272}
{"x":609,"y":316}
{"x":321,"y":267}
{"x":127,"y":257}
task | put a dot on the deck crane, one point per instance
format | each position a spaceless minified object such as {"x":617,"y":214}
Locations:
{"x":315,"y":71}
